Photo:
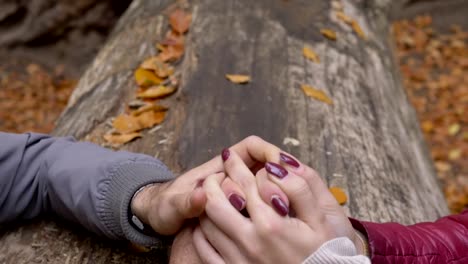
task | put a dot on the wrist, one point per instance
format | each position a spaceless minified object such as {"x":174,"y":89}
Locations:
{"x":142,"y":200}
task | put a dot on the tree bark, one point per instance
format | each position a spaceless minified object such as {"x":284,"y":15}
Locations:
{"x":368,"y":142}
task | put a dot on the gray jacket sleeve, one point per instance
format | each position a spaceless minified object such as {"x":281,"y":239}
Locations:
{"x":81,"y":182}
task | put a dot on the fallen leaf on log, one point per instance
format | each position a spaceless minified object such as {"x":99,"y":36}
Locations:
{"x":161,"y":69}
{"x":291,"y":141}
{"x":357,"y":28}
{"x":145,"y":78}
{"x":180,"y":21}
{"x":316,"y":94}
{"x":150,"y":118}
{"x":337,"y":5}
{"x":339,"y":195}
{"x":171,"y":53}
{"x":343,"y":17}
{"x":156,"y":92}
{"x":126,"y":124}
{"x":121,"y":139}
{"x":149,"y":107}
{"x":328,"y":33}
{"x":310,"y":54}
{"x":237,"y":78}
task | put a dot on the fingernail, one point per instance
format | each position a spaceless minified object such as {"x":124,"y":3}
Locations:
{"x":237,"y":201}
{"x":279,"y":206}
{"x":289,"y":160}
{"x":276,"y":169}
{"x":225,"y":154}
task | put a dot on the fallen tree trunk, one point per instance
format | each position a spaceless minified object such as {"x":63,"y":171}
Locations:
{"x":368,"y":142}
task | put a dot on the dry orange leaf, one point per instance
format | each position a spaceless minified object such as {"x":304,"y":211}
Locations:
{"x":357,"y":28}
{"x":316,"y":94}
{"x":343,"y":17}
{"x":145,"y":78}
{"x":155,"y":64}
{"x":427,"y":126}
{"x":156,"y":92}
{"x":339,"y":195}
{"x":328,"y":33}
{"x":310,"y":54}
{"x":126,"y":124}
{"x":454,"y":129}
{"x":121,"y":139}
{"x":238,"y":78}
{"x":171,"y":52}
{"x":180,"y":21}
{"x":149,"y":107}
{"x":173,"y":39}
{"x":150,"y":118}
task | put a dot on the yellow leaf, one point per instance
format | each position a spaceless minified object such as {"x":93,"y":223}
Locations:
{"x":454,"y":129}
{"x":454,"y":154}
{"x":442,"y":166}
{"x":149,"y":107}
{"x":145,"y":78}
{"x":155,"y":64}
{"x":328,"y":33}
{"x":121,"y":139}
{"x":237,"y":78}
{"x":316,"y":94}
{"x":339,"y":195}
{"x":357,"y":28}
{"x":126,"y":124}
{"x":156,"y":92}
{"x":310,"y":54}
{"x":343,"y":17}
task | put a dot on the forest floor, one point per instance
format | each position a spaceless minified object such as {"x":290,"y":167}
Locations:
{"x":431,"y":45}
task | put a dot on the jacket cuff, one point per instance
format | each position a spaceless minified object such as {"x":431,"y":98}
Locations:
{"x":126,"y":179}
{"x":338,"y":250}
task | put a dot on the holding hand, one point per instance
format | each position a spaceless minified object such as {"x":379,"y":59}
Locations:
{"x":226,"y":236}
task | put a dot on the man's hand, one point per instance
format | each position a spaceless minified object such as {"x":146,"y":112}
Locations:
{"x":166,"y":206}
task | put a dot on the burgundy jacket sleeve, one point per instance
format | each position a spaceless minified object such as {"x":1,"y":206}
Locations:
{"x":443,"y":241}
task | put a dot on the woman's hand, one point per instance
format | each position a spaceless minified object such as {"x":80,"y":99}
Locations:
{"x":166,"y":206}
{"x":225,"y":236}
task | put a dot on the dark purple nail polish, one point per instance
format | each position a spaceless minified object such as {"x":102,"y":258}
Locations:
{"x":237,"y":201}
{"x":279,"y":206}
{"x":289,"y":160}
{"x":276,"y":169}
{"x":225,"y":154}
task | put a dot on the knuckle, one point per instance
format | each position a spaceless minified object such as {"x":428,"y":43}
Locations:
{"x":253,"y":139}
{"x":300,"y":190}
{"x":311,"y":176}
{"x":268,"y":228}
